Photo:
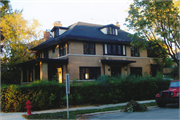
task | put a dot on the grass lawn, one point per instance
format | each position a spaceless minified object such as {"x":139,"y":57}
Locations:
{"x":73,"y":114}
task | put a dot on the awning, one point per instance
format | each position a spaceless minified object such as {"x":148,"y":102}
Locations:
{"x":65,"y":61}
{"x":116,"y":61}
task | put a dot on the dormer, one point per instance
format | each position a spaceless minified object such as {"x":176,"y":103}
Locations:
{"x":110,"y":29}
{"x":58,"y":30}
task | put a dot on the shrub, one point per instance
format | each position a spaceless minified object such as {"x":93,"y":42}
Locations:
{"x":49,"y":94}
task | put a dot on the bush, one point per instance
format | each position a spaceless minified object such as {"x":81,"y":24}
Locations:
{"x":105,"y":90}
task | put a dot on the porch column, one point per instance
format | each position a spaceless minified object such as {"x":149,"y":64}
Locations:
{"x":107,"y":70}
{"x":21,"y":74}
{"x":64,"y":71}
{"x":40,"y":65}
{"x":33,"y":72}
{"x":43,"y":71}
{"x":27,"y":73}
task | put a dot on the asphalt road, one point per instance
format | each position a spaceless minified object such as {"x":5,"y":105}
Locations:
{"x":171,"y":111}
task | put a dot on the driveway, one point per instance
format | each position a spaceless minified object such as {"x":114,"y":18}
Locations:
{"x":171,"y":111}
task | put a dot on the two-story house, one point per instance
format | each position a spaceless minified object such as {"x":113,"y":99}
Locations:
{"x":85,"y":51}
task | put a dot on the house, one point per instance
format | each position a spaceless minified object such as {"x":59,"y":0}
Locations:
{"x":86,"y":51}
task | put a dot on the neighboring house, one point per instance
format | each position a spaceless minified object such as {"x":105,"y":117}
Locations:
{"x":86,"y":51}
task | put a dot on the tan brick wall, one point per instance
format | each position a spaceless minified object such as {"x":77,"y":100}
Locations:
{"x":43,"y":70}
{"x":99,"y":49}
{"x":55,"y":54}
{"x":143,"y":53}
{"x":76,"y":61}
{"x":128,"y":51}
{"x":91,"y":61}
{"x":75,"y":47}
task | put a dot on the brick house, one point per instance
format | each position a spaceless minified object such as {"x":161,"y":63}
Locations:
{"x":86,"y":51}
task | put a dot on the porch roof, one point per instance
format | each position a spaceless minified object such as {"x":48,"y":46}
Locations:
{"x":65,"y":60}
{"x":116,"y":61}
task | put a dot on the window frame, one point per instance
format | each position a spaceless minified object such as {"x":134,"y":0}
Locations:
{"x":53,"y":49}
{"x":112,"y":31}
{"x":46,"y":53}
{"x":109,"y":51}
{"x":62,"y":49}
{"x":91,"y":75}
{"x":134,"y":52}
{"x":89,"y":49}
{"x":136,"y":71}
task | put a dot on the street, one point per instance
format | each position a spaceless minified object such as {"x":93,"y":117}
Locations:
{"x":171,"y":111}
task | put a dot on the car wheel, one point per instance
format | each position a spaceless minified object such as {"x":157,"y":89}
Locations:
{"x":161,"y":104}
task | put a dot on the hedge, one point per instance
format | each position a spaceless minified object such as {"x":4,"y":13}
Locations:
{"x":105,"y":90}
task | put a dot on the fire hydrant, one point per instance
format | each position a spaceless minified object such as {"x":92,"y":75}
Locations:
{"x":28,"y":107}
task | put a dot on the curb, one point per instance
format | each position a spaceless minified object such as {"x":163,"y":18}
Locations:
{"x":84,"y":116}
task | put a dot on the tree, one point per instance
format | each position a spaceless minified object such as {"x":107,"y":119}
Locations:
{"x":18,"y":34}
{"x":5,"y":7}
{"x":156,"y":21}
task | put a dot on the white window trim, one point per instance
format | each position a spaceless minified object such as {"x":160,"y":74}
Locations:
{"x":105,"y":48}
{"x":124,"y":50}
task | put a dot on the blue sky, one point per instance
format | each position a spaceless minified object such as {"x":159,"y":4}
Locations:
{"x":71,"y":11}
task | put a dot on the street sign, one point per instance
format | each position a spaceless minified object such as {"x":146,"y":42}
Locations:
{"x":67,"y":84}
{"x":67,"y":92}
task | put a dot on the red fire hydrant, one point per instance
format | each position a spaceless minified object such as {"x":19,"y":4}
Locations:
{"x":28,"y":107}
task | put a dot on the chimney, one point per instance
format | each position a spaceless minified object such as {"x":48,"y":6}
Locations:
{"x":117,"y":24}
{"x":57,"y":23}
{"x":46,"y":35}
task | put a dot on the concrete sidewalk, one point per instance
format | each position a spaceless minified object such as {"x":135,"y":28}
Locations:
{"x":18,"y":115}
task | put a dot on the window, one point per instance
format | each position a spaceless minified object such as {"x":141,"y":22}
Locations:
{"x":56,"y":32}
{"x":112,"y":49}
{"x":46,"y":54}
{"x":89,"y":73}
{"x":151,"y":53}
{"x":53,"y":49}
{"x":136,"y":71}
{"x":112,"y":31}
{"x":89,"y":48}
{"x":62,"y":49}
{"x":134,"y":52}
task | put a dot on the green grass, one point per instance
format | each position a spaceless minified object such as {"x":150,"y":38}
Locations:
{"x":73,"y":114}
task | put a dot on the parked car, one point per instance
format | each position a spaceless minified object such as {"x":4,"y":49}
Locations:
{"x":169,"y":96}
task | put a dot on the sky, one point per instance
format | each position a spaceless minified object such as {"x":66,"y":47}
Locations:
{"x":101,"y":12}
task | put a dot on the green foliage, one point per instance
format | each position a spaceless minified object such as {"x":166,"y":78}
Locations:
{"x":17,"y":34}
{"x":175,"y":73}
{"x":105,"y":90}
{"x":157,"y":22}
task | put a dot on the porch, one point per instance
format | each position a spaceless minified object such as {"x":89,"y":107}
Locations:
{"x":43,"y":69}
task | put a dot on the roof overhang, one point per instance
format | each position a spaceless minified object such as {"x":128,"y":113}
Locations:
{"x":106,"y":61}
{"x":63,"y":61}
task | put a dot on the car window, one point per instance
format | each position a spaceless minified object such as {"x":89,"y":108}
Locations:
{"x":175,"y":84}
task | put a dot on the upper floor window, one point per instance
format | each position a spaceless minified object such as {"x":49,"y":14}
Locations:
{"x":46,"y":54}
{"x":113,"y":49}
{"x":89,"y":48}
{"x":53,"y":49}
{"x":56,"y":32}
{"x":62,"y":49}
{"x":110,"y":30}
{"x":134,"y":52}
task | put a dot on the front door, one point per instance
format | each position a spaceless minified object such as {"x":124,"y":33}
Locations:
{"x":115,"y":71}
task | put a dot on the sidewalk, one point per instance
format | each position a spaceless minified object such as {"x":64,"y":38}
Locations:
{"x":17,"y":115}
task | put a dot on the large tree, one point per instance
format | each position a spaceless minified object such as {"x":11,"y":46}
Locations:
{"x":18,"y":35}
{"x":155,"y":21}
